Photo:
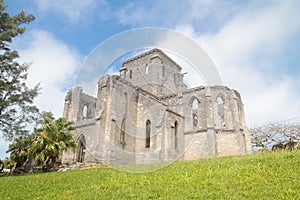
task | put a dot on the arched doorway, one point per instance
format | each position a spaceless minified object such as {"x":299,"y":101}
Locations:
{"x":81,"y":148}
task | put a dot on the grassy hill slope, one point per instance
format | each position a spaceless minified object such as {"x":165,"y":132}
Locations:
{"x":257,"y":176}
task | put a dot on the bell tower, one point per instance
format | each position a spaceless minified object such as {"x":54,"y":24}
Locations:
{"x":154,"y":72}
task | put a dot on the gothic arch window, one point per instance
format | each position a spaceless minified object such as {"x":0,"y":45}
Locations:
{"x":147,"y":69}
{"x":148,"y":133}
{"x":85,"y":112}
{"x":176,"y":135}
{"x":195,"y":104}
{"x":195,"y":111}
{"x":122,"y":133}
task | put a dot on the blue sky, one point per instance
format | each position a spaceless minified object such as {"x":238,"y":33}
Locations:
{"x":254,"y":44}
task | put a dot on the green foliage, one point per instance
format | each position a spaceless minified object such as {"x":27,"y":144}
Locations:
{"x":52,"y":139}
{"x":45,"y":144}
{"x":19,"y":150}
{"x":259,"y":176}
{"x":16,"y":99}
{"x":9,"y":163}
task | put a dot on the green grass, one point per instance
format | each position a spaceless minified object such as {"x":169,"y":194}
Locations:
{"x":257,"y":176}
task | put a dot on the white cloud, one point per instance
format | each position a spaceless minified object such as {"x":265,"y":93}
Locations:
{"x":204,"y":14}
{"x":277,"y":103}
{"x":53,"y":65}
{"x":249,"y":52}
{"x":75,"y":10}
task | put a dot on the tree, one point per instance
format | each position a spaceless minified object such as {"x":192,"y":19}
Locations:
{"x":19,"y":150}
{"x":16,"y":99}
{"x":52,"y":139}
{"x":276,"y":136}
{"x":44,"y":145}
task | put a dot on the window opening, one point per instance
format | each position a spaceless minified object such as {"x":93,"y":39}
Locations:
{"x":122,"y":134}
{"x":147,"y":69}
{"x":176,"y":134}
{"x":148,"y":132}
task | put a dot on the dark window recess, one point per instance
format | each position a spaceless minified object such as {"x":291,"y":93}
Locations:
{"x":148,"y":132}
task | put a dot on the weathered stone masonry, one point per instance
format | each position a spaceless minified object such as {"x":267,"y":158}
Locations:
{"x":147,"y":114}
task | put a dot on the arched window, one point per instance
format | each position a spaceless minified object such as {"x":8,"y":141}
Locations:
{"x":195,"y":104}
{"x":148,"y":133}
{"x":122,"y":133}
{"x":195,"y":111}
{"x":176,"y":135}
{"x":85,"y":112}
{"x":130,"y":74}
{"x":147,"y":69}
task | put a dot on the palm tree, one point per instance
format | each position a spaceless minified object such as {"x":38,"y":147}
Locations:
{"x":19,"y":150}
{"x":53,"y":138}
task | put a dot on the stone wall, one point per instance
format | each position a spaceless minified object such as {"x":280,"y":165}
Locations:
{"x":79,"y":106}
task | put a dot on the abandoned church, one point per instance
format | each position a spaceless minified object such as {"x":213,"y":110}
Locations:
{"x":147,"y":114}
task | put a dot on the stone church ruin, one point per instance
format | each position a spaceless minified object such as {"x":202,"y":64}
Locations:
{"x":147,"y":114}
